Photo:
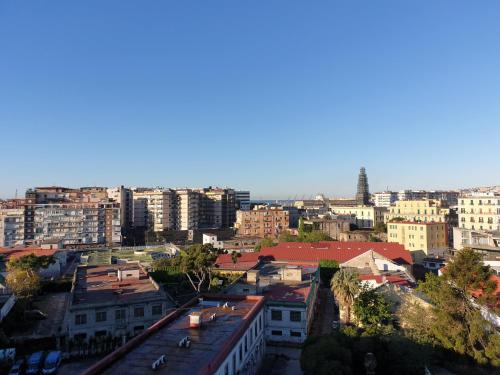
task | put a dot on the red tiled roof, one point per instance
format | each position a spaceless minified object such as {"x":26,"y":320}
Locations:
{"x":314,"y":252}
{"x":335,"y":250}
{"x":18,"y":252}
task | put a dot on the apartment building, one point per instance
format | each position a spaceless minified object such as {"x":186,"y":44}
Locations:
{"x":123,"y":196}
{"x":211,"y":335}
{"x":448,"y":196}
{"x":291,"y":292}
{"x":154,"y":209}
{"x":421,"y":238}
{"x":71,"y":217}
{"x":72,"y":224}
{"x":242,"y":198}
{"x":385,"y":198}
{"x":11,"y":227}
{"x":366,"y":216}
{"x":476,"y":239}
{"x":117,"y":300}
{"x":217,"y":208}
{"x":188,"y":209}
{"x":479,"y":211}
{"x":263,"y":222}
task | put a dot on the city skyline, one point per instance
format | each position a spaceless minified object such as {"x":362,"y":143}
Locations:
{"x":288,"y":99}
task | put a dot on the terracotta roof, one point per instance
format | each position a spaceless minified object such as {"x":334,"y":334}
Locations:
{"x":391,"y":279}
{"x":18,"y":252}
{"x":335,"y":250}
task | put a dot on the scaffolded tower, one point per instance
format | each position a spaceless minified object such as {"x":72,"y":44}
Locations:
{"x":363,"y":194}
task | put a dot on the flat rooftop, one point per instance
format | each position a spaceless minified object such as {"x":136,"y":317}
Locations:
{"x":210,"y":343}
{"x":100,"y":284}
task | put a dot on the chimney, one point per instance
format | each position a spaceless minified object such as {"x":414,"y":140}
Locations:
{"x":195,"y":319}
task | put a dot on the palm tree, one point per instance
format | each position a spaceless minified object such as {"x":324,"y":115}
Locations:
{"x":345,"y":285}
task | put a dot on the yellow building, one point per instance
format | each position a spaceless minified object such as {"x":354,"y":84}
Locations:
{"x":426,"y":210}
{"x":420,"y":238}
{"x":366,"y":216}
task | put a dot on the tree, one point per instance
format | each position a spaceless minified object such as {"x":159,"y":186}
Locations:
{"x":327,"y":269}
{"x":371,"y":309}
{"x":196,"y":263}
{"x":265,"y":242}
{"x":22,"y":277}
{"x":235,"y":256}
{"x":457,"y":297}
{"x":345,"y":285}
{"x":23,"y":283}
{"x":31,"y":263}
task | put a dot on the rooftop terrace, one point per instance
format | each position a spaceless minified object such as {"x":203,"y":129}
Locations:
{"x":101,"y":284}
{"x":210,"y":343}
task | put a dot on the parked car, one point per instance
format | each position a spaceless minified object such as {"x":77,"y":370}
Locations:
{"x":34,"y":363}
{"x":18,"y":367}
{"x":52,"y":363}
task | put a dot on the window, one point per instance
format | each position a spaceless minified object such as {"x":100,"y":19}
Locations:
{"x":241,"y":352}
{"x":276,"y":333}
{"x":276,"y":315}
{"x":100,"y":333}
{"x":138,"y":329}
{"x":100,"y":316}
{"x":120,"y":314}
{"x":81,"y":319}
{"x":157,"y":310}
{"x":234,"y":363}
{"x":138,"y":312}
{"x":295,"y":316}
{"x":80,"y":336}
{"x":295,"y":334}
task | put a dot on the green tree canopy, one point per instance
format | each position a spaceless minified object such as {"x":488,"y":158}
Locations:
{"x":265,"y":242}
{"x":371,"y":309}
{"x":30,"y":263}
{"x":196,"y":263}
{"x":458,"y":323}
{"x":23,"y":283}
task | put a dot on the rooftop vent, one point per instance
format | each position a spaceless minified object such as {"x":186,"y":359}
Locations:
{"x":185,"y":342}
{"x":160,"y":361}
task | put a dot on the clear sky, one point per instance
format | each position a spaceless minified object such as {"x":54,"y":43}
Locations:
{"x":284,"y":98}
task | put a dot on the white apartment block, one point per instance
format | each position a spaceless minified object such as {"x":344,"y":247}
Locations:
{"x":11,"y":227}
{"x":479,"y":211}
{"x":188,"y":204}
{"x":385,"y":199}
{"x":77,"y":223}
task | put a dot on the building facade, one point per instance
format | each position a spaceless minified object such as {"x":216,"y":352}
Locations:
{"x":479,"y":211}
{"x":385,"y":198}
{"x":154,"y":209}
{"x":11,"y":227}
{"x":212,"y":335}
{"x":265,"y":222}
{"x":113,"y":300}
{"x":366,"y":216}
{"x":420,"y":238}
{"x":242,"y":200}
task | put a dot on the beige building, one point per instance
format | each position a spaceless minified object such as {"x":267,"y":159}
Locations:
{"x":154,"y":209}
{"x":366,"y":216}
{"x":426,"y":210}
{"x":11,"y":227}
{"x":262,"y":223}
{"x":479,"y":211}
{"x":420,"y":238}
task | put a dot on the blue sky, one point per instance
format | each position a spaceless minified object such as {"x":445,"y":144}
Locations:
{"x":285,"y":98}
